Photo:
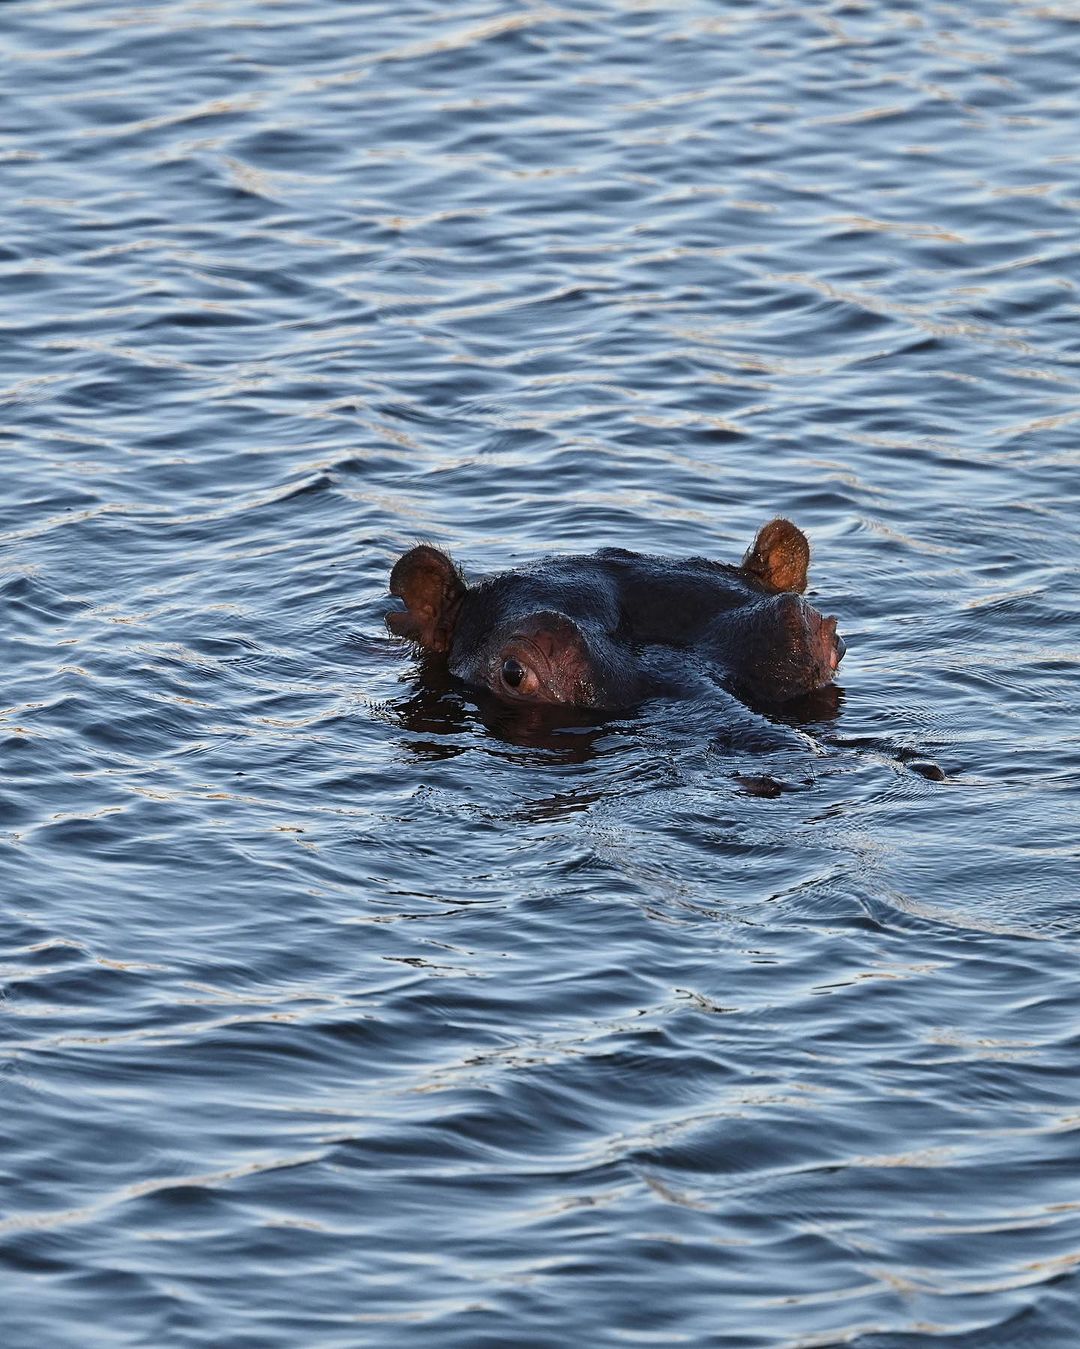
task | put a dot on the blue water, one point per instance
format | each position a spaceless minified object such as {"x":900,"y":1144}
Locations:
{"x":335,"y":1012}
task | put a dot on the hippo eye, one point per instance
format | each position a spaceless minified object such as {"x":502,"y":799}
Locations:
{"x":513,"y":672}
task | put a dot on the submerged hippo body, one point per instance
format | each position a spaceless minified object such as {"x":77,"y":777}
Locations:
{"x":612,"y":628}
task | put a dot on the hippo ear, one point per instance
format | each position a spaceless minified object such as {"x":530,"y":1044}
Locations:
{"x":779,"y":556}
{"x":432,"y":588}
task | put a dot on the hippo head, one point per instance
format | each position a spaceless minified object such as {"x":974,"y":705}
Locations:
{"x":607,"y":630}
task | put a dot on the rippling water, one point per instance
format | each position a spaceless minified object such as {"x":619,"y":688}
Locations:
{"x":337,"y":1014}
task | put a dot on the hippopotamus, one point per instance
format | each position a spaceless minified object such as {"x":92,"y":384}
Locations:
{"x":609,"y":629}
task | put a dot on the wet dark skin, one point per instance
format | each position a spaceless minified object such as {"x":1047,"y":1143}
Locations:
{"x":610,"y":629}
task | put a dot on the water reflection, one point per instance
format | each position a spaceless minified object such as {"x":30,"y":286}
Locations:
{"x":817,"y":711}
{"x":440,"y":706}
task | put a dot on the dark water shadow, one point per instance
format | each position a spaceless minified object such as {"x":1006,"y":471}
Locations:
{"x":439,"y":709}
{"x":440,"y":713}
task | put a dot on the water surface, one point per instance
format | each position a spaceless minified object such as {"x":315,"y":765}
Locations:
{"x":337,"y":1013}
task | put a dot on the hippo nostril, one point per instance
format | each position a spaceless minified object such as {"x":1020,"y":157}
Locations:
{"x":833,"y":645}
